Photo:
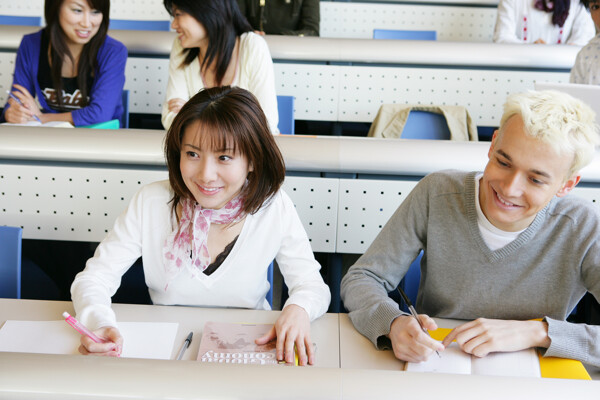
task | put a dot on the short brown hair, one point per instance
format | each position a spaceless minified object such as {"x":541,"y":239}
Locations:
{"x":234,"y":119}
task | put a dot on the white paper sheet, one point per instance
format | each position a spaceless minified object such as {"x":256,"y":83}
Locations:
{"x":453,"y":360}
{"x":140,"y":339}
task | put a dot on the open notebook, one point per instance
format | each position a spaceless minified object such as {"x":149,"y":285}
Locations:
{"x":522,"y":363}
{"x":140,"y":339}
{"x":454,"y":361}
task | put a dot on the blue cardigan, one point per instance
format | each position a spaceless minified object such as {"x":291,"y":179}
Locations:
{"x":105,"y":93}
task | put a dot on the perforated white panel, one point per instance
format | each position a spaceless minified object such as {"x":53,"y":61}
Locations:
{"x":146,"y":79}
{"x":138,"y":10}
{"x":315,"y":88}
{"x":67,"y":203}
{"x":452,"y":23}
{"x":7,"y":67}
{"x":316,"y":200}
{"x":23,"y":8}
{"x":82,"y":203}
{"x":365,"y":206}
{"x":482,"y":92}
{"x":591,"y":194}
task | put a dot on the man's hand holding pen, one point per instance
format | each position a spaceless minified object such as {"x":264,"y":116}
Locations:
{"x":410,"y":342}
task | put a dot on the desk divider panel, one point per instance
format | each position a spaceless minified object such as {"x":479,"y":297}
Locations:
{"x":23,"y":8}
{"x":139,"y":10}
{"x":316,"y":201}
{"x":365,"y":207}
{"x":481,"y":91}
{"x":315,"y":87}
{"x":68,"y":202}
{"x":146,"y":79}
{"x":81,"y":203}
{"x":346,"y":93}
{"x":7,"y":67}
{"x":452,"y":23}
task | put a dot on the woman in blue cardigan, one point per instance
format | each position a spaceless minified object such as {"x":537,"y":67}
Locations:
{"x":72,"y":67}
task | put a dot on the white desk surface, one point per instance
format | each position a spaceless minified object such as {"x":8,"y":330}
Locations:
{"x":323,"y":333}
{"x":46,"y":376}
{"x":356,"y":351}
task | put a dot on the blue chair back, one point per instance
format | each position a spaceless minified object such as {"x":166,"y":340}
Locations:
{"x":132,"y":25}
{"x":404,"y":34}
{"x":410,"y":282}
{"x":20,"y":20}
{"x":285,"y":108}
{"x":10,"y":262}
{"x":125,"y":116}
{"x":425,"y":125}
{"x":269,"y":295}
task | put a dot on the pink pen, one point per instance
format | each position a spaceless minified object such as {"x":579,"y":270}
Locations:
{"x":79,"y":327}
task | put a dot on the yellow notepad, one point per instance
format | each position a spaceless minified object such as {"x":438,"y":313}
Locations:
{"x":550,"y":367}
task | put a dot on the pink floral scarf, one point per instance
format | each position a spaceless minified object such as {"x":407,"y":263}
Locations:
{"x":179,"y":244}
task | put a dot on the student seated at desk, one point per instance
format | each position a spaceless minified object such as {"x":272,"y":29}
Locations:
{"x":209,"y":233}
{"x":543,"y":22}
{"x":215,"y":46}
{"x":587,"y":64}
{"x":283,"y":17}
{"x":72,"y":66}
{"x":501,"y":248}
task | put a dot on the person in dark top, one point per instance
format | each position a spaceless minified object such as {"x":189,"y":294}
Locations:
{"x":282,"y":17}
{"x":72,"y":66}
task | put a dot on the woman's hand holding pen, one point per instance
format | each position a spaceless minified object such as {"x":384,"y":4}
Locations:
{"x":291,"y":328}
{"x":112,"y":347}
{"x":483,"y":336}
{"x":22,"y":107}
{"x":409,"y":341}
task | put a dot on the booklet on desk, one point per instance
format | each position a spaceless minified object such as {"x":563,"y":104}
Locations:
{"x":233,"y":343}
{"x":140,"y":339}
{"x":455,"y":361}
{"x":520,"y":363}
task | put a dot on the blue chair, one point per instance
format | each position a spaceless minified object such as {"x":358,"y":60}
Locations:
{"x":132,"y":25}
{"x":404,"y":34}
{"x":124,"y":120}
{"x":410,"y":282}
{"x":10,"y":262}
{"x":425,"y":125}
{"x":285,"y":108}
{"x":269,"y":295}
{"x":20,"y":20}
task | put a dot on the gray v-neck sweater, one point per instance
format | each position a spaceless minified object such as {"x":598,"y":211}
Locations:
{"x":544,"y":272}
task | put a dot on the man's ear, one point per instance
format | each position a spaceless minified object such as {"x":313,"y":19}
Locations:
{"x":568,"y":186}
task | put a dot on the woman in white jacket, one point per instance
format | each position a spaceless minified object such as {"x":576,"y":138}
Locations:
{"x":208,"y":235}
{"x":216,"y":46}
{"x":543,"y":22}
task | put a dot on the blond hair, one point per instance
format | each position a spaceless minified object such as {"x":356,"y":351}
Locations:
{"x":558,"y":119}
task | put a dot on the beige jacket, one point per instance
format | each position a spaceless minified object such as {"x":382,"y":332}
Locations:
{"x":391,"y":118}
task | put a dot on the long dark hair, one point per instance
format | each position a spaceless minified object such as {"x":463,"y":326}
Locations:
{"x":229,"y":118}
{"x":87,"y":63}
{"x":558,"y":8}
{"x":223,"y":23}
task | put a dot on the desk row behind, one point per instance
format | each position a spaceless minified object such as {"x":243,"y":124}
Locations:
{"x":347,"y":366}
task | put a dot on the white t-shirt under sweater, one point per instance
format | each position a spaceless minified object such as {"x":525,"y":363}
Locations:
{"x":274,"y":232}
{"x":254,"y":72}
{"x":493,"y":237}
{"x":518,"y":21}
{"x":587,"y":64}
